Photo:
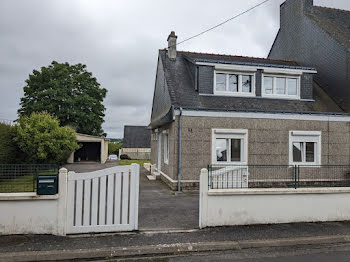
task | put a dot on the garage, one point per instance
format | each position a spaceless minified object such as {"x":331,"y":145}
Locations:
{"x":92,"y":149}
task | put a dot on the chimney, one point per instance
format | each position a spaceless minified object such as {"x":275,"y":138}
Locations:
{"x":308,"y":4}
{"x":172,"y":46}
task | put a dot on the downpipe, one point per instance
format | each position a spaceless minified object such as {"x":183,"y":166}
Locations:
{"x":179,"y":156}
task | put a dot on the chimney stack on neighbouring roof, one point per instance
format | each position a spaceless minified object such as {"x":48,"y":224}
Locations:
{"x":308,"y":4}
{"x":172,"y":46}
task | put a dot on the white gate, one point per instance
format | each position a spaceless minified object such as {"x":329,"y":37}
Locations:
{"x":103,"y":201}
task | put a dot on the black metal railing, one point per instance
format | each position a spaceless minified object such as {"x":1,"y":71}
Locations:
{"x":16,"y":178}
{"x":278,"y":176}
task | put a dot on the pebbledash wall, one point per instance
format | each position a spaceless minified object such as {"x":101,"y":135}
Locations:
{"x":268,"y":142}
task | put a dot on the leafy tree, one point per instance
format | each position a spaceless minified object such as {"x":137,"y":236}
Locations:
{"x":8,"y":149}
{"x":112,"y":149}
{"x":41,"y":138}
{"x":68,"y":92}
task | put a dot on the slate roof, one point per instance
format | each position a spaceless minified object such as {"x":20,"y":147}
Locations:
{"x":335,"y":22}
{"x":183,"y":94}
{"x":137,"y":137}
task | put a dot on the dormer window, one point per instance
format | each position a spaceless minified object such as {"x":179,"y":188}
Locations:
{"x":281,"y":86}
{"x":234,"y":84}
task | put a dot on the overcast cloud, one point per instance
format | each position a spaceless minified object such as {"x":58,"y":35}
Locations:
{"x":118,"y":40}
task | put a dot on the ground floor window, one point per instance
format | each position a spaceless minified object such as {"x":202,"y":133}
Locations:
{"x":305,"y":147}
{"x":229,"y":146}
{"x":166,"y":148}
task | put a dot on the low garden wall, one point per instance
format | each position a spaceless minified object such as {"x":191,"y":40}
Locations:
{"x":29,"y":213}
{"x":225,"y":207}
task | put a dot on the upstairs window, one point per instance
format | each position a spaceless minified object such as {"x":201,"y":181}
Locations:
{"x":280,"y":86}
{"x":234,"y":84}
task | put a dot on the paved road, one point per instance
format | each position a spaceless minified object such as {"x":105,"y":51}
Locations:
{"x":329,"y":253}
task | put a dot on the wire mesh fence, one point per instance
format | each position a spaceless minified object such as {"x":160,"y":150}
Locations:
{"x":15,"y":178}
{"x":278,"y":176}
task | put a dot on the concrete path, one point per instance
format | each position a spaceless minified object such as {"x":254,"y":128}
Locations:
{"x":89,"y":166}
{"x":159,"y":207}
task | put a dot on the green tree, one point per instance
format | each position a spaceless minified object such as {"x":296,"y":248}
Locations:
{"x":8,"y":149}
{"x":68,"y":92}
{"x":41,"y":139}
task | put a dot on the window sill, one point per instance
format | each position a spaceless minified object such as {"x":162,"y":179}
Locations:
{"x":281,"y":97}
{"x":218,"y":93}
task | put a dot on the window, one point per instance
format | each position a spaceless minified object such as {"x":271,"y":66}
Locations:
{"x":305,"y":147}
{"x":166,"y":148}
{"x":278,"y":86}
{"x":229,"y":146}
{"x":240,"y":84}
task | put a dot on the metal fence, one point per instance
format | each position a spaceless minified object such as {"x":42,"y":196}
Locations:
{"x":15,"y":178}
{"x":278,"y":176}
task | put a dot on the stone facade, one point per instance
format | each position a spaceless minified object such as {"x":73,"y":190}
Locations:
{"x":268,"y":142}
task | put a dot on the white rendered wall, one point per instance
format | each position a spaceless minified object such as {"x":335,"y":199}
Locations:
{"x":266,"y":206}
{"x":28,"y":213}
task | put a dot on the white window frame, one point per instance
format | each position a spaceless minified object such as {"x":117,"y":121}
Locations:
{"x":305,"y":136}
{"x":230,"y":134}
{"x":274,"y":78}
{"x":239,"y":74}
{"x":166,"y":148}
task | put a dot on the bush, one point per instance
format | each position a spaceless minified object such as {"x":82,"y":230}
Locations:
{"x":112,"y":149}
{"x":42,"y":140}
{"x":125,"y":156}
{"x":8,"y":148}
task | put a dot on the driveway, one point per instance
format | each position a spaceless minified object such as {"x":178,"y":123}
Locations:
{"x":159,"y":207}
{"x":83,"y":167}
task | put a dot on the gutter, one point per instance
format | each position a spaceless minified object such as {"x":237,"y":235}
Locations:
{"x":179,"y":155}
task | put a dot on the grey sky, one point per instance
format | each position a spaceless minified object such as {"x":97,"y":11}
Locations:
{"x":119,"y":41}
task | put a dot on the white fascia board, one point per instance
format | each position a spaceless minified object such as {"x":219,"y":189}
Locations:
{"x":270,"y":70}
{"x":258,"y":115}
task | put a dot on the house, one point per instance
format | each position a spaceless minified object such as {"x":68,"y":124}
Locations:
{"x":318,"y":36}
{"x":224,"y":110}
{"x":137,"y":142}
{"x":92,"y":148}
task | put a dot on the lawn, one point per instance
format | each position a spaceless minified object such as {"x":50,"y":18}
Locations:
{"x":26,"y":183}
{"x":19,"y":184}
{"x":125,"y":162}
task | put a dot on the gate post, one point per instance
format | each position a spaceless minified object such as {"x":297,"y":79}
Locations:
{"x":203,"y":198}
{"x":62,"y":201}
{"x":135,"y":170}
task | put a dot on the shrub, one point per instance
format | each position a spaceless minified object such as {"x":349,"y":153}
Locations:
{"x":41,"y":139}
{"x":112,"y":149}
{"x":8,"y":148}
{"x":125,"y":156}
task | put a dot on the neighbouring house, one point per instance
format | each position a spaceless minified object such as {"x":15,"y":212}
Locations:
{"x":92,"y":148}
{"x":137,"y":142}
{"x":211,"y":109}
{"x":318,"y":36}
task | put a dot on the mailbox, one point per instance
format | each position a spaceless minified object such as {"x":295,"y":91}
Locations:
{"x":47,"y":185}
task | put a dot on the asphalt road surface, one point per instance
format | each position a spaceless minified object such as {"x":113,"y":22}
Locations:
{"x":326,"y":253}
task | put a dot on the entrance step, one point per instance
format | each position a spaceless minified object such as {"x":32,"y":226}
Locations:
{"x":151,"y":177}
